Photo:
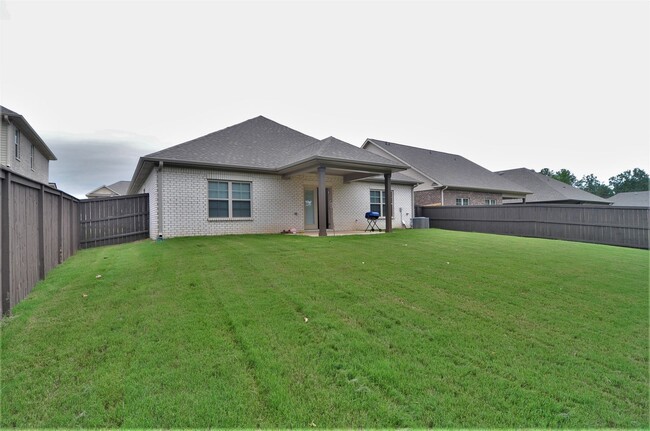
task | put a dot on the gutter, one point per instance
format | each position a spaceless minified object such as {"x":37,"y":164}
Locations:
{"x":160,"y":200}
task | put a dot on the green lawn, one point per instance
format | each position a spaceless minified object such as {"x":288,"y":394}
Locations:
{"x":422,"y":328}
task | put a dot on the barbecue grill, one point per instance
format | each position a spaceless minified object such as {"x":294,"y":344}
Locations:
{"x":372,"y":217}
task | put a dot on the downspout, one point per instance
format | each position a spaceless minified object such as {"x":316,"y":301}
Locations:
{"x":413,"y":186}
{"x":442,"y":195}
{"x":160,"y":200}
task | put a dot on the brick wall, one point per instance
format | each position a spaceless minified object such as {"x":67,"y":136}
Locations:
{"x":429,"y":197}
{"x":276,"y":204}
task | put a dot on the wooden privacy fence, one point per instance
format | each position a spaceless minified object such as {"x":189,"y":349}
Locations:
{"x":42,"y":226}
{"x":622,"y":226}
{"x":113,"y":220}
{"x":39,"y":230}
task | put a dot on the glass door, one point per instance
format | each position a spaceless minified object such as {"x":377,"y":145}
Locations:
{"x":311,"y":209}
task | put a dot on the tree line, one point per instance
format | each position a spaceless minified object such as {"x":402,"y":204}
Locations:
{"x":635,"y":180}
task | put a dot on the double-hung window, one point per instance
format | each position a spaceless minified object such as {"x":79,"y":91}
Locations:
{"x":229,"y":199}
{"x":490,"y":202}
{"x":462,"y":201}
{"x":17,"y":143}
{"x":378,"y":202}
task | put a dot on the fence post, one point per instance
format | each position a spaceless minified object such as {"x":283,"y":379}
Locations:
{"x":41,"y":232}
{"x":60,"y":227}
{"x":7,"y":219}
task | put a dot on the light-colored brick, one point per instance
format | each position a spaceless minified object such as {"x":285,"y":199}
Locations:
{"x":276,"y":204}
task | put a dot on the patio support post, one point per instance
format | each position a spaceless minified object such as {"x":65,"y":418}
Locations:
{"x":389,"y":203}
{"x":322,"y":203}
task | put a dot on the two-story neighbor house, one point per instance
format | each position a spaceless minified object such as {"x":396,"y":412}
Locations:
{"x":21,"y":149}
{"x":262,"y":177}
{"x":447,"y":179}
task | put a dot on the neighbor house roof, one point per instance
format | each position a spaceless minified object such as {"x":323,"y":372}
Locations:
{"x":21,"y":123}
{"x":119,"y":188}
{"x":548,"y":190}
{"x":631,"y":199}
{"x":260,"y":144}
{"x":449,"y":170}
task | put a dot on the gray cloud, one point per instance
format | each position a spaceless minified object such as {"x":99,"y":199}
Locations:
{"x":85,"y":162}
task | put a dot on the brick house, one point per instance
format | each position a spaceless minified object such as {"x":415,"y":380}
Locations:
{"x":21,"y":149}
{"x":262,"y":177}
{"x":119,"y":188}
{"x":447,"y":179}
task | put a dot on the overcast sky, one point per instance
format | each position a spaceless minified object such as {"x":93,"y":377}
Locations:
{"x":504,"y":84}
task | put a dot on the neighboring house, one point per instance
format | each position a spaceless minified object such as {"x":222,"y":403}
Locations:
{"x":119,"y":188}
{"x":262,"y":177}
{"x":447,"y":179}
{"x":21,"y":149}
{"x":548,"y":190}
{"x":631,"y":199}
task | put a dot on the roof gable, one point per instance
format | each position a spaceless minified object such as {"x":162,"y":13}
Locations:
{"x":334,"y":149}
{"x":21,"y":123}
{"x":449,"y":170}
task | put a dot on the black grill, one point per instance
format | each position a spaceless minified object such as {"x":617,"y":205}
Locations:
{"x":372,"y":217}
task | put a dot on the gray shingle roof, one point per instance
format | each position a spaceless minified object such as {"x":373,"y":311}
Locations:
{"x":547,"y":189}
{"x":335,"y":149}
{"x":120,"y":187}
{"x":264,"y":145}
{"x":449,"y":170}
{"x":256,"y":143}
{"x":631,"y":199}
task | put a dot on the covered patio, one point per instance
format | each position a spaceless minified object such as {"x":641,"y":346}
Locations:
{"x":334,"y":157}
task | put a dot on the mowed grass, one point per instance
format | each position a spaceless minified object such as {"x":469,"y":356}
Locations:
{"x":423,"y":328}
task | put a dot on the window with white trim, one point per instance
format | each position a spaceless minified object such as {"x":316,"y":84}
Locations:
{"x":490,"y":202}
{"x":229,"y":199}
{"x":378,"y":202}
{"x":462,"y":201}
{"x":17,"y":143}
{"x":31,"y":157}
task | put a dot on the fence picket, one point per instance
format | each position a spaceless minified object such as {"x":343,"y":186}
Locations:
{"x":621,"y":226}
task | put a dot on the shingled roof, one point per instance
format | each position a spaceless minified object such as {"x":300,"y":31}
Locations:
{"x":449,"y":170}
{"x":259,"y":144}
{"x":119,"y":188}
{"x":631,"y":199}
{"x":546,"y":189}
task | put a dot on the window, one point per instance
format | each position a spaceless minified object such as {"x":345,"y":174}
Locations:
{"x":31,"y":157}
{"x":462,"y":201}
{"x":378,"y":202}
{"x":17,"y":143}
{"x":229,"y":199}
{"x":490,"y":202}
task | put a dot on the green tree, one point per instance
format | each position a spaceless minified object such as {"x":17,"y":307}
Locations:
{"x":590,"y":183}
{"x":630,"y":181}
{"x":565,"y":176}
{"x":547,"y":172}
